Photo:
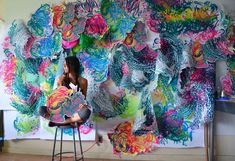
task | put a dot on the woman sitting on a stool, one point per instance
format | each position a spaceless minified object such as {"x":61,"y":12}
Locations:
{"x":73,"y":108}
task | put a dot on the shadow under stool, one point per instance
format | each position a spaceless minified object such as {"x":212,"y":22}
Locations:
{"x":62,"y":126}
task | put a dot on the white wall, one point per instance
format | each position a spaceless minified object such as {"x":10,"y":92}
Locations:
{"x":226,"y":5}
{"x":21,"y":9}
{"x":225,"y":136}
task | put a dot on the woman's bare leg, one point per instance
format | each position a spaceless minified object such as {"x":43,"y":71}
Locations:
{"x":74,"y":118}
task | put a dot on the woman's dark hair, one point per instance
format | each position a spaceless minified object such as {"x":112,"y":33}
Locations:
{"x":74,"y":67}
{"x":73,"y":64}
{"x":43,"y":111}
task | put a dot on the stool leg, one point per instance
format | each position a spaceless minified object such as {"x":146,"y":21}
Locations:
{"x":74,"y":145}
{"x":61,"y":141}
{"x":80,"y":141}
{"x":53,"y":151}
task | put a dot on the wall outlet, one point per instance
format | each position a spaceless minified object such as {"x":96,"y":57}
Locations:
{"x":100,"y":139}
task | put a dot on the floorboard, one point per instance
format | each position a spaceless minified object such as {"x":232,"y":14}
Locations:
{"x":24,"y":157}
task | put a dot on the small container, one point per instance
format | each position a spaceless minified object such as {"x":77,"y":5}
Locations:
{"x":223,"y":96}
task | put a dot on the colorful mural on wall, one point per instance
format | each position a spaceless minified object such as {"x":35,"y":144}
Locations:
{"x":22,"y":126}
{"x":148,"y":61}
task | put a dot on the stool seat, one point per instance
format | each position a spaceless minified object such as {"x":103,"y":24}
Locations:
{"x":61,"y":126}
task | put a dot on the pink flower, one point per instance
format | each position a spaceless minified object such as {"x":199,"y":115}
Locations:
{"x":43,"y":66}
{"x":6,"y":43}
{"x":125,"y":69}
{"x":226,"y":83}
{"x":96,"y":25}
{"x":85,"y":130}
{"x":152,"y":24}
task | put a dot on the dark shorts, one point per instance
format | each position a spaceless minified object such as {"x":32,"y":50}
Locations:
{"x":84,"y":114}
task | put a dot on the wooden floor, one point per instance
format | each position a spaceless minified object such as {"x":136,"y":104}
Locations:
{"x":23,"y":157}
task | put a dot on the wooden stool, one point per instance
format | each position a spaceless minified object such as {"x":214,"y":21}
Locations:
{"x":61,"y":126}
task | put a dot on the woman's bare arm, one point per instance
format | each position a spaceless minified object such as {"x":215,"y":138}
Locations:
{"x":60,"y":80}
{"x":83,"y":83}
